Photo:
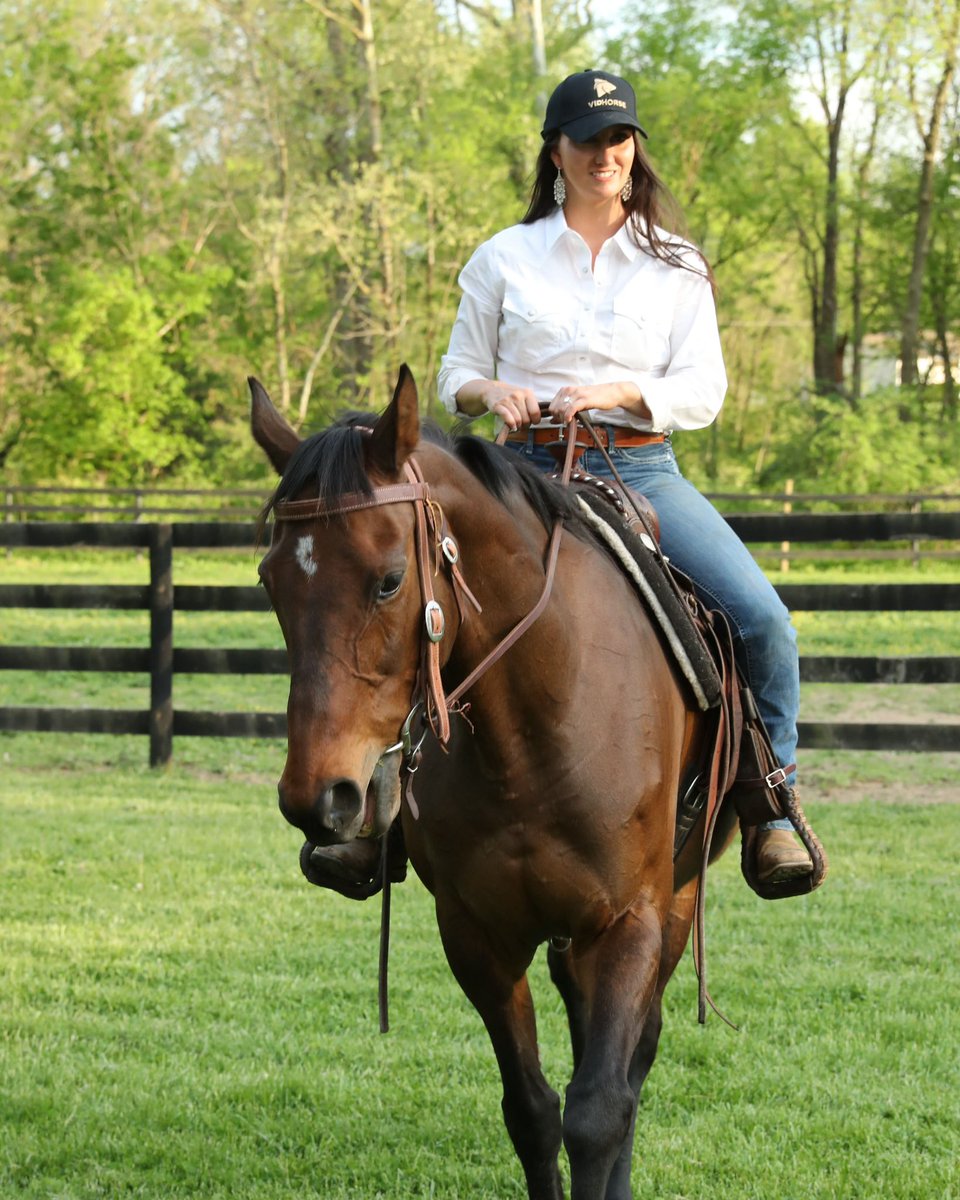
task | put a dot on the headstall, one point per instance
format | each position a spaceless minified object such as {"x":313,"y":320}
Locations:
{"x":431,"y":706}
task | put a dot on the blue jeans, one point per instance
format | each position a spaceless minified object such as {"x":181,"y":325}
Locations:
{"x":698,"y":540}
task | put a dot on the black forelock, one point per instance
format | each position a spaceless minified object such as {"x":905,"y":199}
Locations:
{"x":330,"y":462}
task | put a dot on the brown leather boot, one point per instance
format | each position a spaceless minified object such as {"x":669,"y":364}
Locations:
{"x":780,"y":856}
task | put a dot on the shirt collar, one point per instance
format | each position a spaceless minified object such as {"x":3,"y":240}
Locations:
{"x":555,"y":227}
{"x":625,"y":242}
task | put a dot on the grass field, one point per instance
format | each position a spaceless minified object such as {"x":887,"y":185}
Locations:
{"x":181,"y":1016}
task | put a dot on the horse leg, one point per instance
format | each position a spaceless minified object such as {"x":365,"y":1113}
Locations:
{"x":674,"y":941}
{"x":496,"y":985}
{"x":609,"y":991}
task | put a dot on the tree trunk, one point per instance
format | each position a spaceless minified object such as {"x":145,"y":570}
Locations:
{"x":910,"y":325}
{"x":825,"y":327}
{"x":275,"y":265}
{"x":539,"y":52}
{"x":859,"y":324}
{"x":949,"y":405}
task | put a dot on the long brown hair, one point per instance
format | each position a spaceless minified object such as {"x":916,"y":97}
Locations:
{"x":651,"y":207}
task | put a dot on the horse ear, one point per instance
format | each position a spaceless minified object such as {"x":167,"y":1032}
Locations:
{"x":397,"y":432}
{"x":271,"y":431}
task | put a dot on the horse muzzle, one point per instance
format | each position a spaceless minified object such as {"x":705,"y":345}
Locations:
{"x":343,"y":809}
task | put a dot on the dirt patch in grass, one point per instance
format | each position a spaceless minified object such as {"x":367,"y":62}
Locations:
{"x":883,"y":777}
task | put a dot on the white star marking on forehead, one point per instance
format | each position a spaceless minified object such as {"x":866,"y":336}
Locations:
{"x":305,"y":555}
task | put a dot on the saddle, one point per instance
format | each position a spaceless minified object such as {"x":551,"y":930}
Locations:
{"x":740,"y":767}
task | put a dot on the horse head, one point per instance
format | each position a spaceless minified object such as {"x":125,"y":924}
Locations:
{"x":341,"y":574}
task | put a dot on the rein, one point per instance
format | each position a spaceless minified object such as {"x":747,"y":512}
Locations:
{"x":725,"y":749}
{"x":433,"y":706}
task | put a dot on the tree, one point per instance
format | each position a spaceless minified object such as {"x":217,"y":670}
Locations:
{"x":87,"y":272}
{"x":827,"y":47}
{"x":944,"y":34}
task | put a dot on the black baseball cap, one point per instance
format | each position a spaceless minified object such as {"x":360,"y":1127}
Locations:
{"x":589,"y":101}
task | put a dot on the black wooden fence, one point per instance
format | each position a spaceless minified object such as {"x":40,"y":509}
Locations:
{"x":162,"y":660}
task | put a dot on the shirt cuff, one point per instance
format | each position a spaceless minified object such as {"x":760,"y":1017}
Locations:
{"x":678,"y":403}
{"x":658,"y":404}
{"x":449,"y":382}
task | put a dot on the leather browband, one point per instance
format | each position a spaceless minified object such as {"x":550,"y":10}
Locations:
{"x":308,"y":510}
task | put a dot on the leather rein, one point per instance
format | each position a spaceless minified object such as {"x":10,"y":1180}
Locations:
{"x":430,"y":705}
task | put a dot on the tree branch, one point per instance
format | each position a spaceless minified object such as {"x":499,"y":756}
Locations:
{"x":321,"y":351}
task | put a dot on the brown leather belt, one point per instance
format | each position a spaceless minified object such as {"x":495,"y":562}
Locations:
{"x":610,"y":436}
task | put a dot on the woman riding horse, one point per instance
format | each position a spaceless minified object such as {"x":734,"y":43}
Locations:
{"x":589,"y":305}
{"x":399,"y":567}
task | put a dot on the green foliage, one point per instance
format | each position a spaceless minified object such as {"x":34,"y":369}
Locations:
{"x":194,"y":193}
{"x":118,"y":408}
{"x":883,"y":444}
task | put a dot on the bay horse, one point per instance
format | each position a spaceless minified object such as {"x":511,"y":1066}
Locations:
{"x":547,"y":816}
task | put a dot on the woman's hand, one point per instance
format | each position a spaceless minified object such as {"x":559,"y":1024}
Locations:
{"x":516,"y":406}
{"x":570,"y":400}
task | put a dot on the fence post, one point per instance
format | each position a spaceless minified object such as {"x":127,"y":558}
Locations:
{"x":785,"y":546}
{"x":161,"y":645}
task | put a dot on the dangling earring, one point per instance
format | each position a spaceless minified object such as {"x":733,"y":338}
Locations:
{"x":559,"y":189}
{"x":627,"y":190}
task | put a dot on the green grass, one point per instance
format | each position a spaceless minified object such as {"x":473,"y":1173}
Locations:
{"x":180,"y":1016}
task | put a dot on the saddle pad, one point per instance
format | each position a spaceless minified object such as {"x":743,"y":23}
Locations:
{"x":647,"y":570}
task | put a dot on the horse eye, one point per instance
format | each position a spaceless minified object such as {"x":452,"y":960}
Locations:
{"x":389,"y":585}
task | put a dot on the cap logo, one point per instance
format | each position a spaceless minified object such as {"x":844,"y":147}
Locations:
{"x":603,"y":87}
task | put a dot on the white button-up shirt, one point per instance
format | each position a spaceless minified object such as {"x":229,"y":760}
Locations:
{"x":533,"y":314}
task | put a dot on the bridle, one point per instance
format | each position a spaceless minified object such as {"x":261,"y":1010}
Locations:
{"x":431,"y":705}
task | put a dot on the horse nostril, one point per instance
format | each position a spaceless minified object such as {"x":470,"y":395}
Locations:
{"x":332,"y":817}
{"x":341,"y":804}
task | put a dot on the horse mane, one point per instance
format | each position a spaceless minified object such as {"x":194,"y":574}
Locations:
{"x":502,"y":472}
{"x":332,"y":462}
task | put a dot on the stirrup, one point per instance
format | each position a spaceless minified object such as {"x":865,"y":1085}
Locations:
{"x":798,"y":885}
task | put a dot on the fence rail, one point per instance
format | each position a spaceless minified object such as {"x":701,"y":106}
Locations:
{"x":162,"y":660}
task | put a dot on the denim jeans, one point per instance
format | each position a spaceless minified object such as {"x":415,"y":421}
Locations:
{"x":696,"y":539}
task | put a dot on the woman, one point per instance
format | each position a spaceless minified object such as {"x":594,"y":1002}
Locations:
{"x":589,"y":305}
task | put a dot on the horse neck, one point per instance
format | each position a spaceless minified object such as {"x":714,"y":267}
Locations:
{"x":503,"y":551}
{"x":502,"y":546}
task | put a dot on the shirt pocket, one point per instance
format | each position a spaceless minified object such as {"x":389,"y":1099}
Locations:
{"x":533,"y":329}
{"x":641,"y":334}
